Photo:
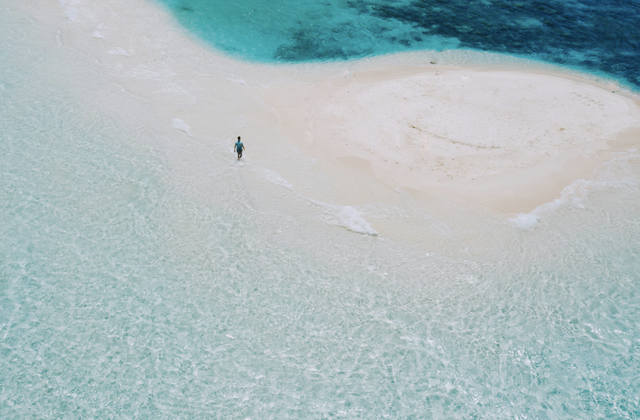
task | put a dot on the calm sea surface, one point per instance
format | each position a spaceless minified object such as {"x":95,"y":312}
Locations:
{"x":599,"y":36}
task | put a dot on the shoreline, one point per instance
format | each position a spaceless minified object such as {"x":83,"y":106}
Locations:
{"x":507,"y":140}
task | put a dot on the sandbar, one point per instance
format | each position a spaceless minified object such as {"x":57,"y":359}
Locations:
{"x":505,"y":137}
{"x":507,"y":140}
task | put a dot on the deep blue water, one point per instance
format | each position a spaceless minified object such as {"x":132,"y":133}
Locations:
{"x":596,"y":36}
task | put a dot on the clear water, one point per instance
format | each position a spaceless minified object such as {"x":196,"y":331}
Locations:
{"x":125,"y":293}
{"x":598,"y":36}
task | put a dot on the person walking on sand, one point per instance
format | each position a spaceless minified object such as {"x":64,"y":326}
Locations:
{"x":238,"y":148}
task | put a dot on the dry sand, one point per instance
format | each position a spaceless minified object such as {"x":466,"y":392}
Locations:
{"x":508,"y":139}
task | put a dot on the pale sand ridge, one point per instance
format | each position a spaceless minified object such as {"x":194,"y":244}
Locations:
{"x":507,"y":140}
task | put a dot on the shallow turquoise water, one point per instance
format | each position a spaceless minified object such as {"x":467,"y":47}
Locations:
{"x":595,"y":36}
{"x":124,"y":295}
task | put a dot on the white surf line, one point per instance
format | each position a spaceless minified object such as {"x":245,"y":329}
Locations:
{"x":574,"y":193}
{"x":347,"y":217}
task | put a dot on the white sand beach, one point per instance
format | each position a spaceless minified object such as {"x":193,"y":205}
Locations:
{"x":505,"y":139}
{"x":422,"y":235}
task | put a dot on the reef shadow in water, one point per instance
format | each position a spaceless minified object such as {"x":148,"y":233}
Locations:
{"x":600,"y":36}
